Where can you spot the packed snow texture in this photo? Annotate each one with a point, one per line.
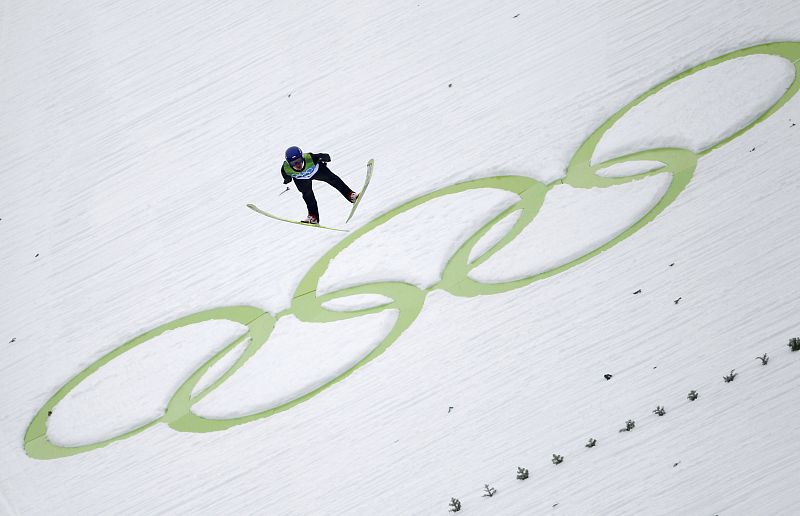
(122, 395)
(412, 246)
(298, 358)
(701, 110)
(571, 223)
(134, 134)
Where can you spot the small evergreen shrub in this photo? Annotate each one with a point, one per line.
(794, 344)
(629, 425)
(591, 443)
(488, 491)
(557, 459)
(522, 473)
(729, 378)
(659, 411)
(693, 395)
(455, 505)
(764, 359)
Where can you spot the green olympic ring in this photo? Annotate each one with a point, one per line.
(407, 299)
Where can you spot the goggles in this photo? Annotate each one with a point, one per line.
(297, 162)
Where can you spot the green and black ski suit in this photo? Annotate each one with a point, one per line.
(315, 167)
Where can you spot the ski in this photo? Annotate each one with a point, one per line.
(370, 165)
(270, 215)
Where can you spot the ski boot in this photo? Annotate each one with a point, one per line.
(311, 219)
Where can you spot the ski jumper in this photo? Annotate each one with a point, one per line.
(315, 167)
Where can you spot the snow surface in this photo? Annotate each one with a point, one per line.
(298, 358)
(724, 98)
(134, 133)
(571, 223)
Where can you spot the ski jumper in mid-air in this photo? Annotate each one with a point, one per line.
(303, 168)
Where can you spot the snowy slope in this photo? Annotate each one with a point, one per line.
(133, 135)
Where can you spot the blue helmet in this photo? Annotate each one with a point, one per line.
(293, 153)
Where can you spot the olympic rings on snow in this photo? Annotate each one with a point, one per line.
(407, 299)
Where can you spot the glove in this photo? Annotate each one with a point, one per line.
(287, 180)
(325, 158)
